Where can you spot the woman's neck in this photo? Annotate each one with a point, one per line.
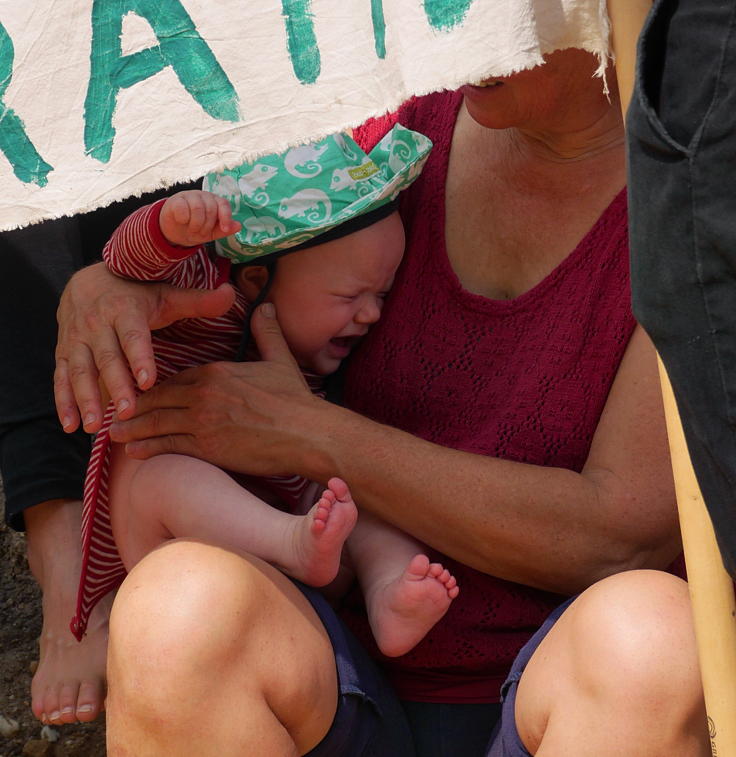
(571, 146)
(553, 159)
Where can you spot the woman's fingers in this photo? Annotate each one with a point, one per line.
(66, 404)
(239, 416)
(187, 414)
(133, 336)
(269, 338)
(174, 303)
(104, 333)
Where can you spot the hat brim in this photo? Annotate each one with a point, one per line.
(395, 162)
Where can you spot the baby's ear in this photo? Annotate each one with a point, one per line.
(250, 279)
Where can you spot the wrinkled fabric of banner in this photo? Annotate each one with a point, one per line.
(102, 99)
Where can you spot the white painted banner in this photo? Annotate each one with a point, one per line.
(102, 99)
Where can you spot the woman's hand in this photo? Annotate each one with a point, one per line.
(105, 327)
(249, 417)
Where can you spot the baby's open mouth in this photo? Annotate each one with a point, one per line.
(345, 342)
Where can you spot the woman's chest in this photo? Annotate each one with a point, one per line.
(502, 240)
(522, 381)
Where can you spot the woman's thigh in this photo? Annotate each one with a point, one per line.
(261, 651)
(617, 673)
(202, 635)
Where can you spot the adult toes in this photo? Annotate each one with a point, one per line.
(51, 706)
(68, 702)
(90, 701)
(37, 706)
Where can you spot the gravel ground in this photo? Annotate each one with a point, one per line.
(20, 625)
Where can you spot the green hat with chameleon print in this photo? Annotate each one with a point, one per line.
(315, 192)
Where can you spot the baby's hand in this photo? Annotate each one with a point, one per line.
(194, 217)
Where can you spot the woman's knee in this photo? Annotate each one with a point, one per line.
(200, 632)
(642, 621)
(637, 626)
(185, 601)
(625, 649)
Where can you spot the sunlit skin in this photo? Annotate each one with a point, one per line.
(328, 295)
(323, 317)
(519, 195)
(551, 104)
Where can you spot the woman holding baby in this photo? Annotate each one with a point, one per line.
(504, 411)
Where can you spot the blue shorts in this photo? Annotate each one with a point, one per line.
(505, 741)
(370, 721)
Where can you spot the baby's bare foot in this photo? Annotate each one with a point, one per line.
(402, 611)
(318, 537)
(69, 683)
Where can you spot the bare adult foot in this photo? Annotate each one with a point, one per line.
(402, 611)
(69, 683)
(315, 543)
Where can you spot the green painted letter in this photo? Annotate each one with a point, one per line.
(301, 41)
(27, 164)
(379, 27)
(180, 46)
(446, 14)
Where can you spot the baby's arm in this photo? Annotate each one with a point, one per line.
(152, 243)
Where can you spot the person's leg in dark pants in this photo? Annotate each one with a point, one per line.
(41, 466)
(682, 210)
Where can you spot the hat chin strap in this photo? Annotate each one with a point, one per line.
(240, 355)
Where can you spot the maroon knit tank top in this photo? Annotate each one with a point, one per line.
(523, 379)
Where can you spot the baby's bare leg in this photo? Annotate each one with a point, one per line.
(171, 496)
(405, 594)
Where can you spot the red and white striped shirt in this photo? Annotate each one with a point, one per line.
(138, 250)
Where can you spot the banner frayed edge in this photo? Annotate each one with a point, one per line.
(601, 50)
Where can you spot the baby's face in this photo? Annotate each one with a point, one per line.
(328, 296)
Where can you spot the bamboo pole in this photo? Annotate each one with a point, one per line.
(711, 588)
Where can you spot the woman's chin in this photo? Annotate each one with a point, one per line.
(486, 105)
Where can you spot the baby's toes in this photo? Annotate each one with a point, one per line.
(418, 567)
(339, 488)
(436, 570)
(444, 577)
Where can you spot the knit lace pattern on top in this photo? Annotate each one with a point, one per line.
(523, 379)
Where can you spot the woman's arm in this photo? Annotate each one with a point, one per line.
(545, 527)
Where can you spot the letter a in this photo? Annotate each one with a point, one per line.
(27, 164)
(180, 46)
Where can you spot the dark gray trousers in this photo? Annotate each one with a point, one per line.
(682, 204)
